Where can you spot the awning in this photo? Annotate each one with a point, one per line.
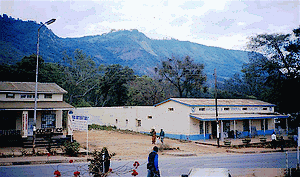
(237, 116)
(41, 105)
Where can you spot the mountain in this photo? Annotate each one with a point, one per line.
(125, 47)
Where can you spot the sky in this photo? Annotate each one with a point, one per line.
(221, 23)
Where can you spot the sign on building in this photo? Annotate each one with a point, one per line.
(25, 124)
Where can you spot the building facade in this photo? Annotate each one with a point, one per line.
(17, 108)
(192, 119)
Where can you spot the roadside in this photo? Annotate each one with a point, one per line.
(126, 145)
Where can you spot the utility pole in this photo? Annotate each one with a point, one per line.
(36, 83)
(216, 103)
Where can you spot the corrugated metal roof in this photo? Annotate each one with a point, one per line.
(221, 102)
(30, 87)
(236, 116)
(19, 105)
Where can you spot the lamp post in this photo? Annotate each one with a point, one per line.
(36, 80)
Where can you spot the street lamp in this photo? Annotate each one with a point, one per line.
(36, 80)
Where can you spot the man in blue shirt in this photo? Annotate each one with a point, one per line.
(152, 165)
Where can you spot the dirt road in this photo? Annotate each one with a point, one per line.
(130, 145)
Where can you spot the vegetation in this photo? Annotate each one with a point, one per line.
(273, 73)
(185, 75)
(101, 127)
(89, 85)
(71, 148)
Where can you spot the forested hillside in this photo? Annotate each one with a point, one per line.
(125, 47)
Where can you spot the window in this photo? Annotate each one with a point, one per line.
(138, 123)
(48, 96)
(149, 117)
(201, 109)
(28, 96)
(170, 109)
(244, 109)
(226, 109)
(265, 109)
(10, 95)
(48, 120)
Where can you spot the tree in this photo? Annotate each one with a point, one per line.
(185, 75)
(276, 72)
(81, 77)
(25, 70)
(145, 91)
(113, 85)
(280, 49)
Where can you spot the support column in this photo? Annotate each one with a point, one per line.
(264, 127)
(69, 125)
(204, 128)
(234, 129)
(287, 126)
(222, 136)
(58, 120)
(250, 128)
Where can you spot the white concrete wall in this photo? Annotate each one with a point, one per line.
(194, 126)
(176, 121)
(173, 122)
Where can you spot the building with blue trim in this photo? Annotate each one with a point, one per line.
(194, 119)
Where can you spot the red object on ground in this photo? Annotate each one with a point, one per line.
(71, 161)
(57, 173)
(76, 173)
(136, 164)
(134, 173)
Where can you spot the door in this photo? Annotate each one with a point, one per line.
(214, 129)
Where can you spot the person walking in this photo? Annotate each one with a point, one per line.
(282, 143)
(153, 136)
(106, 158)
(162, 135)
(273, 137)
(152, 166)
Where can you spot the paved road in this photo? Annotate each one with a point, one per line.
(169, 166)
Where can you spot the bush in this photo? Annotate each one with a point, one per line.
(71, 148)
(101, 127)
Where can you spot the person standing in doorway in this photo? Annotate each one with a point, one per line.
(152, 165)
(162, 135)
